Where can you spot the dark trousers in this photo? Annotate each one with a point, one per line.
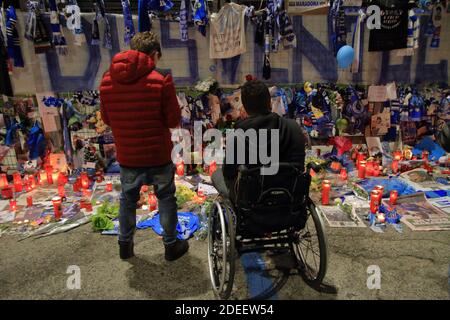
(162, 179)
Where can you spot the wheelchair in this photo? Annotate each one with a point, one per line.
(269, 212)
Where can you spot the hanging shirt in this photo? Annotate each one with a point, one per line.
(227, 32)
(394, 26)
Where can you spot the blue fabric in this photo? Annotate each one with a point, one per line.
(13, 40)
(187, 224)
(36, 142)
(389, 184)
(431, 146)
(128, 21)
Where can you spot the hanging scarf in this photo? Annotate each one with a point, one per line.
(357, 42)
(2, 22)
(266, 63)
(12, 37)
(183, 21)
(128, 21)
(437, 17)
(35, 29)
(59, 41)
(287, 34)
(338, 31)
(73, 23)
(5, 81)
(201, 16)
(100, 13)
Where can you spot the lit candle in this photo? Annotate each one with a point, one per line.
(7, 192)
(17, 182)
(55, 175)
(49, 172)
(212, 167)
(61, 191)
(180, 168)
(361, 157)
(326, 187)
(109, 186)
(29, 201)
(393, 197)
(3, 180)
(394, 166)
(370, 168)
(12, 205)
(375, 198)
(343, 174)
(381, 189)
(398, 155)
(425, 154)
(62, 179)
(76, 185)
(362, 170)
(84, 180)
(152, 201)
(381, 218)
(57, 207)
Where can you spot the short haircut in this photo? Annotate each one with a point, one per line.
(255, 97)
(146, 42)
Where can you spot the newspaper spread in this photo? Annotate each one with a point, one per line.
(337, 218)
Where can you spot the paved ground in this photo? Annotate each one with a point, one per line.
(414, 265)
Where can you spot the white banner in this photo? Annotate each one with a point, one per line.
(300, 7)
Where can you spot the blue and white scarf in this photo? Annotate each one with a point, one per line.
(355, 67)
(184, 36)
(59, 41)
(128, 22)
(100, 13)
(35, 28)
(338, 31)
(12, 37)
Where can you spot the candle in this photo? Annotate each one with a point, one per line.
(49, 178)
(326, 187)
(180, 168)
(61, 191)
(17, 179)
(361, 157)
(109, 186)
(152, 201)
(29, 201)
(425, 154)
(381, 218)
(76, 185)
(7, 192)
(12, 205)
(381, 189)
(375, 198)
(212, 167)
(394, 166)
(84, 180)
(62, 179)
(397, 155)
(57, 207)
(362, 170)
(393, 197)
(370, 168)
(3, 180)
(377, 170)
(343, 174)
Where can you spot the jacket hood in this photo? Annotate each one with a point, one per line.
(129, 66)
(267, 121)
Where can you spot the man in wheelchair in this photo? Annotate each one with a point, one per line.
(241, 181)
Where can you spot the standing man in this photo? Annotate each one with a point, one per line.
(139, 103)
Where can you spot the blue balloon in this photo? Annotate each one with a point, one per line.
(345, 56)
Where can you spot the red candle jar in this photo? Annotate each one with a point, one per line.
(76, 185)
(12, 205)
(376, 170)
(84, 180)
(3, 180)
(393, 197)
(29, 201)
(109, 186)
(326, 188)
(381, 189)
(180, 168)
(362, 170)
(394, 166)
(425, 155)
(397, 155)
(62, 179)
(212, 167)
(61, 191)
(7, 192)
(343, 174)
(361, 157)
(49, 171)
(370, 168)
(375, 198)
(32, 181)
(152, 201)
(57, 207)
(17, 179)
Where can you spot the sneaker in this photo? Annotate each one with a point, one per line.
(126, 249)
(176, 250)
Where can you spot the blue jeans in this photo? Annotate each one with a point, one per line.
(162, 179)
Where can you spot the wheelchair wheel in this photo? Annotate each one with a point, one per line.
(221, 255)
(310, 248)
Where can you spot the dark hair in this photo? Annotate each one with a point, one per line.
(146, 42)
(255, 97)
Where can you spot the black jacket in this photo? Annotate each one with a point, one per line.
(291, 142)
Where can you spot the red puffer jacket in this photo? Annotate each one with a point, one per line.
(139, 103)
